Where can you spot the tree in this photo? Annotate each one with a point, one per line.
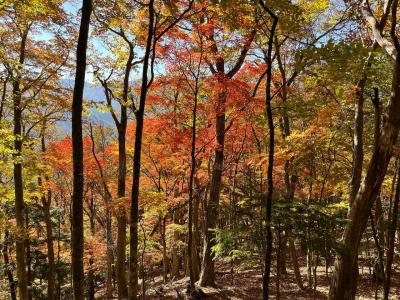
(268, 202)
(154, 34)
(217, 68)
(77, 152)
(376, 170)
(118, 14)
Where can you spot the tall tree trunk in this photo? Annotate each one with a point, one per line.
(50, 248)
(293, 254)
(358, 149)
(3, 97)
(196, 239)
(392, 236)
(207, 275)
(7, 267)
(28, 254)
(175, 258)
(110, 255)
(164, 249)
(18, 179)
(77, 153)
(191, 241)
(290, 181)
(134, 211)
(46, 204)
(363, 202)
(90, 278)
(121, 212)
(270, 120)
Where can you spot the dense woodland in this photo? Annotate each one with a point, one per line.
(199, 149)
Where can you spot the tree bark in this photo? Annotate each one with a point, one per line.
(46, 204)
(207, 274)
(90, 278)
(392, 237)
(191, 241)
(77, 153)
(18, 177)
(7, 267)
(134, 211)
(271, 146)
(3, 97)
(297, 274)
(363, 202)
(358, 149)
(50, 248)
(175, 258)
(121, 212)
(164, 250)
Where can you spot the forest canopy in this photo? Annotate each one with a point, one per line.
(199, 149)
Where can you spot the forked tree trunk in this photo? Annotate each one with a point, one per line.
(121, 212)
(342, 279)
(207, 274)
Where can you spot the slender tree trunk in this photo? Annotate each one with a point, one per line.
(293, 254)
(271, 146)
(108, 221)
(164, 251)
(121, 212)
(268, 208)
(110, 256)
(58, 257)
(342, 279)
(90, 278)
(191, 243)
(290, 181)
(392, 236)
(7, 267)
(175, 255)
(358, 148)
(50, 249)
(3, 98)
(77, 153)
(46, 204)
(28, 254)
(196, 239)
(134, 212)
(207, 275)
(18, 179)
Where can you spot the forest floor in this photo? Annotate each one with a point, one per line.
(245, 284)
